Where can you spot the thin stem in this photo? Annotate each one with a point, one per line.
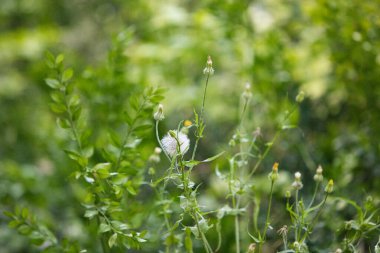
(314, 195)
(297, 222)
(159, 142)
(268, 212)
(315, 218)
(272, 142)
(131, 128)
(262, 157)
(200, 123)
(235, 205)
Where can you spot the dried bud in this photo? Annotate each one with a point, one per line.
(330, 186)
(159, 114)
(252, 248)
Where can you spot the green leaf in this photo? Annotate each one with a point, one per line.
(59, 59)
(112, 240)
(131, 190)
(213, 157)
(74, 155)
(104, 228)
(90, 213)
(53, 83)
(58, 108)
(8, 214)
(74, 100)
(24, 229)
(63, 123)
(67, 75)
(194, 163)
(24, 213)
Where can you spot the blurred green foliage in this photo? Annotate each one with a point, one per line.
(329, 49)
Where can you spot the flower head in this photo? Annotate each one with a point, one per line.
(297, 184)
(172, 139)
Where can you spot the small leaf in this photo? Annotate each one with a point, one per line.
(8, 214)
(213, 157)
(53, 83)
(112, 240)
(63, 123)
(59, 59)
(73, 154)
(131, 190)
(90, 213)
(89, 179)
(74, 100)
(24, 213)
(104, 228)
(67, 75)
(24, 229)
(57, 108)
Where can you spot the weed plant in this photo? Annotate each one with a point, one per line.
(134, 202)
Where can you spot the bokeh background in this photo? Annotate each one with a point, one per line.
(328, 49)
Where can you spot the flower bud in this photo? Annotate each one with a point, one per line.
(159, 114)
(208, 69)
(300, 97)
(330, 186)
(288, 194)
(157, 150)
(318, 177)
(247, 92)
(338, 250)
(273, 176)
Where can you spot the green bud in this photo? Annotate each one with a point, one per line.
(330, 186)
(300, 97)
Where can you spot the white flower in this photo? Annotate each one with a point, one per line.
(169, 143)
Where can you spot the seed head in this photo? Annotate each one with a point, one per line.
(172, 139)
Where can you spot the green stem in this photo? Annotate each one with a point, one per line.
(314, 195)
(297, 222)
(268, 212)
(235, 205)
(200, 123)
(315, 218)
(159, 142)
